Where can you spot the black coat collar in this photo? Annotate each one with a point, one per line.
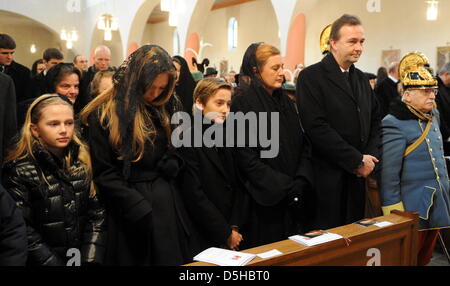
(401, 112)
(210, 152)
(213, 156)
(48, 161)
(335, 74)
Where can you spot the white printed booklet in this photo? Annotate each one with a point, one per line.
(315, 237)
(224, 257)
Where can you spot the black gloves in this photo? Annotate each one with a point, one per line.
(170, 164)
(296, 194)
(297, 203)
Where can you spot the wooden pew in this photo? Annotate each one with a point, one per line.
(394, 245)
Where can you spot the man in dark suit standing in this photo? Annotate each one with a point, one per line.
(19, 73)
(340, 115)
(51, 57)
(8, 120)
(386, 91)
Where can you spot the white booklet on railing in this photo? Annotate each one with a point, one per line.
(224, 257)
(315, 237)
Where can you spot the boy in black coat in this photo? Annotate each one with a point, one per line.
(212, 190)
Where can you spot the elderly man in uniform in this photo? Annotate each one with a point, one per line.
(340, 116)
(413, 172)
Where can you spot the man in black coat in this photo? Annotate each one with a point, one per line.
(386, 91)
(13, 238)
(443, 104)
(340, 114)
(8, 120)
(19, 73)
(51, 57)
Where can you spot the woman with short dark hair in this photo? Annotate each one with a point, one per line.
(64, 79)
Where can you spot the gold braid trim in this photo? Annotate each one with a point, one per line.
(419, 114)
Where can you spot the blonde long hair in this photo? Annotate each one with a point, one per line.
(130, 83)
(24, 147)
(142, 125)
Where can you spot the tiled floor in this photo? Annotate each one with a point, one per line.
(439, 258)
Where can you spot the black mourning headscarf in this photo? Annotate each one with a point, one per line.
(247, 73)
(186, 85)
(131, 81)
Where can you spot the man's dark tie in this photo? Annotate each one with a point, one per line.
(347, 75)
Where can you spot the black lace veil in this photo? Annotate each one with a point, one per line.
(131, 81)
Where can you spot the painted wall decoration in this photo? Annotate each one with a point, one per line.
(389, 56)
(223, 70)
(443, 57)
(373, 6)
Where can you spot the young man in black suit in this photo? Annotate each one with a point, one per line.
(19, 73)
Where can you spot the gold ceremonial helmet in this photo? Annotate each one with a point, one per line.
(325, 40)
(415, 72)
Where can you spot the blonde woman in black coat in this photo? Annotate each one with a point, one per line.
(129, 130)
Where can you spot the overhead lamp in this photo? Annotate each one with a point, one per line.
(432, 10)
(166, 5)
(63, 35)
(173, 19)
(69, 37)
(108, 23)
(176, 8)
(108, 35)
(33, 49)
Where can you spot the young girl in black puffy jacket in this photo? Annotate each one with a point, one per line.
(48, 173)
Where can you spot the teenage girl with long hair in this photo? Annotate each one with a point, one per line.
(48, 172)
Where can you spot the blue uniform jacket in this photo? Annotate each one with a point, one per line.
(418, 182)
